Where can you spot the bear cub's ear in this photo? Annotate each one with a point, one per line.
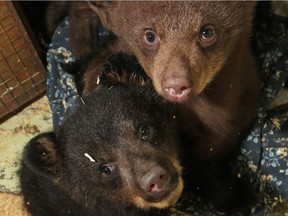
(41, 154)
(123, 69)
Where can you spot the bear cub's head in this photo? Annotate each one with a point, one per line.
(182, 45)
(118, 146)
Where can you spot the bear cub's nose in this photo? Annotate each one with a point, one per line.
(177, 89)
(155, 182)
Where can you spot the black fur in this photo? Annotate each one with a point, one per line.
(126, 129)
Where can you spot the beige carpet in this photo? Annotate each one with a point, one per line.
(14, 134)
(12, 205)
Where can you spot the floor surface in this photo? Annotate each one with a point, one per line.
(14, 134)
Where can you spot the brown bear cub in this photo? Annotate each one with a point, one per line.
(116, 154)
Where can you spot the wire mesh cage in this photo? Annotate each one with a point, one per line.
(22, 74)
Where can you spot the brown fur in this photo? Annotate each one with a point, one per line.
(84, 33)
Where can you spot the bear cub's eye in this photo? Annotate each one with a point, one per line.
(150, 37)
(207, 34)
(146, 132)
(106, 169)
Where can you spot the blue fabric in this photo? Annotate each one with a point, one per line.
(61, 89)
(265, 149)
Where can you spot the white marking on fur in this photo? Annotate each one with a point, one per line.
(89, 157)
(98, 80)
(82, 100)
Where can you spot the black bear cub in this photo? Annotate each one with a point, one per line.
(116, 154)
